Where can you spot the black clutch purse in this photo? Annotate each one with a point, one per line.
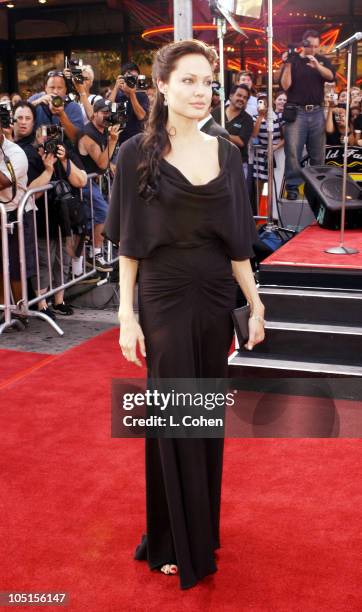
(240, 318)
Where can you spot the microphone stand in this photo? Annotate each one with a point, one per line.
(270, 118)
(270, 225)
(342, 249)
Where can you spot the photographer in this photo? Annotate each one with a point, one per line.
(96, 148)
(53, 106)
(83, 85)
(48, 160)
(125, 90)
(13, 182)
(24, 124)
(302, 77)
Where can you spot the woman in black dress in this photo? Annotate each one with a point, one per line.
(182, 217)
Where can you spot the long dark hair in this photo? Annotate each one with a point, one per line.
(156, 142)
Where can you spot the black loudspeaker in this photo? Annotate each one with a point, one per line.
(323, 190)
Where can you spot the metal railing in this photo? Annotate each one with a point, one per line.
(25, 306)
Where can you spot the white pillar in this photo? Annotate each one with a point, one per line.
(182, 16)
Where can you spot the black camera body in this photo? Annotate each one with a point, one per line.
(76, 68)
(292, 50)
(5, 115)
(117, 115)
(54, 137)
(132, 81)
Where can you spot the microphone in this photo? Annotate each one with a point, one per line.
(349, 41)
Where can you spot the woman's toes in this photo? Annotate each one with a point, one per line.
(169, 568)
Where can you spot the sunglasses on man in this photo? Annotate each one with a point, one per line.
(55, 73)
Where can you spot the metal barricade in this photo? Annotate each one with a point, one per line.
(6, 307)
(105, 179)
(24, 306)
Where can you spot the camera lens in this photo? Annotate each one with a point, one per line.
(57, 101)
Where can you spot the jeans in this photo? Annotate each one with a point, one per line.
(308, 129)
(100, 206)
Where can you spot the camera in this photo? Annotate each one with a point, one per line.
(292, 50)
(133, 81)
(261, 104)
(54, 137)
(332, 97)
(76, 68)
(117, 115)
(57, 101)
(5, 115)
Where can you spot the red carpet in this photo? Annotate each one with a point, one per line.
(19, 363)
(307, 249)
(73, 506)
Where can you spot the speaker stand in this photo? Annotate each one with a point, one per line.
(342, 249)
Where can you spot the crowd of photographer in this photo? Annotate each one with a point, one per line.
(59, 136)
(67, 131)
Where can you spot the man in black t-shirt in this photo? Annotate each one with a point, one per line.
(238, 122)
(96, 147)
(302, 77)
(137, 101)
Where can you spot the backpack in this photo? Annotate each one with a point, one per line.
(72, 213)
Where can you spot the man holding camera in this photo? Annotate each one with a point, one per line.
(302, 77)
(82, 84)
(125, 90)
(52, 106)
(96, 148)
(48, 161)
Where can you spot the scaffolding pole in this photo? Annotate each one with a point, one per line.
(182, 17)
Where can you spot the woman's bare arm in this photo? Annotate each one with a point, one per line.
(130, 332)
(245, 278)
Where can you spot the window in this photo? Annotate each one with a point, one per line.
(33, 67)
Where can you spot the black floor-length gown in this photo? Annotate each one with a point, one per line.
(184, 240)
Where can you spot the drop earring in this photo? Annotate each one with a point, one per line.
(165, 102)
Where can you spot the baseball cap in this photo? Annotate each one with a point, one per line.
(101, 105)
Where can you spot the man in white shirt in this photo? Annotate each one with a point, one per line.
(10, 150)
(86, 99)
(11, 193)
